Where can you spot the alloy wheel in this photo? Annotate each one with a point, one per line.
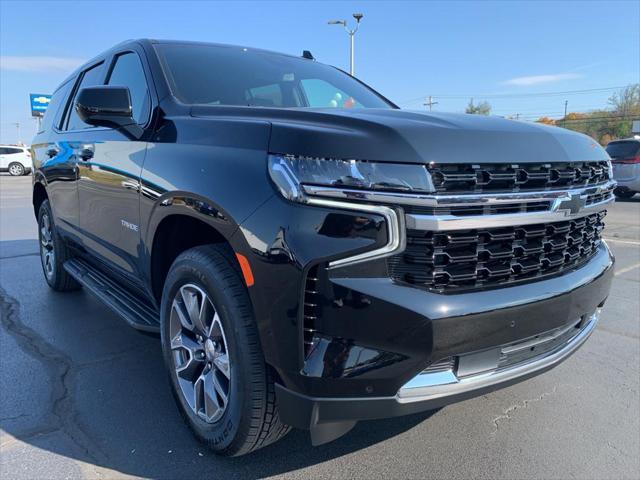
(199, 353)
(47, 252)
(16, 169)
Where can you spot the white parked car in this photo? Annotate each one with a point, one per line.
(15, 160)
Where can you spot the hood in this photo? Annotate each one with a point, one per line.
(416, 137)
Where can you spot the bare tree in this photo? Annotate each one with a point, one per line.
(627, 100)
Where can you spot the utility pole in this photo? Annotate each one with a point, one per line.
(564, 120)
(430, 103)
(352, 35)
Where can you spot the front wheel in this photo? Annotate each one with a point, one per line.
(16, 169)
(217, 371)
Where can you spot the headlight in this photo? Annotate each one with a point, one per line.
(291, 173)
(610, 169)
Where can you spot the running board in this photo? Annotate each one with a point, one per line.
(135, 311)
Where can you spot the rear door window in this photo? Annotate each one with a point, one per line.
(265, 96)
(323, 94)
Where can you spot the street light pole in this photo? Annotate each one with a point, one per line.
(352, 67)
(352, 35)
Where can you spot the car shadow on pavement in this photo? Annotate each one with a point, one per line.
(81, 384)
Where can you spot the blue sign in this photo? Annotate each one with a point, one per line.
(39, 104)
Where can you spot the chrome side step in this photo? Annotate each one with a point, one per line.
(137, 312)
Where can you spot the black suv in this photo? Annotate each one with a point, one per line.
(311, 254)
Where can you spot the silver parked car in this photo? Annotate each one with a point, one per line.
(625, 157)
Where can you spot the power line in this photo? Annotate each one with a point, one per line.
(595, 119)
(516, 95)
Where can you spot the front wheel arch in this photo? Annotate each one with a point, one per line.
(175, 234)
(39, 196)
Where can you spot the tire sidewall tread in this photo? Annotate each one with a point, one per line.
(251, 415)
(61, 280)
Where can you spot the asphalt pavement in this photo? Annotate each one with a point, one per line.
(82, 395)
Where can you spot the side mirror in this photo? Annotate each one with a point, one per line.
(107, 106)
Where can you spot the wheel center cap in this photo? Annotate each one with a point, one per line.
(209, 349)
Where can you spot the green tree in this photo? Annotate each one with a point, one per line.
(483, 108)
(611, 124)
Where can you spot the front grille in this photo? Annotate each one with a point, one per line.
(447, 261)
(483, 178)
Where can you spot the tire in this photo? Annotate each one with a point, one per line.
(624, 194)
(220, 381)
(53, 252)
(16, 169)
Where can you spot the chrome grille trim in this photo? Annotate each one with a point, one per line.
(455, 222)
(436, 200)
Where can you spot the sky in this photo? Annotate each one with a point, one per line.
(524, 58)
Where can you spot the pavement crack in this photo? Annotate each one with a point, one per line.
(61, 372)
(509, 412)
(615, 449)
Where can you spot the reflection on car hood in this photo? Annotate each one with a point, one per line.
(411, 136)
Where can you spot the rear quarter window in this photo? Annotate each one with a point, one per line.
(12, 151)
(52, 113)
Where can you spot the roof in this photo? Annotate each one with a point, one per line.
(170, 42)
(214, 44)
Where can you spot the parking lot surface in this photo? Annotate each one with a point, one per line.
(82, 395)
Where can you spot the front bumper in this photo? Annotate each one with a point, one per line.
(496, 322)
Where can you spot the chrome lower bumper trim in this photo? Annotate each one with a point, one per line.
(431, 386)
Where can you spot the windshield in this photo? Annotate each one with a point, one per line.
(623, 149)
(226, 75)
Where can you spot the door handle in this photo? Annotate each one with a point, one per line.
(52, 152)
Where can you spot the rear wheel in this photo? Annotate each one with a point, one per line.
(217, 371)
(16, 169)
(624, 194)
(53, 252)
